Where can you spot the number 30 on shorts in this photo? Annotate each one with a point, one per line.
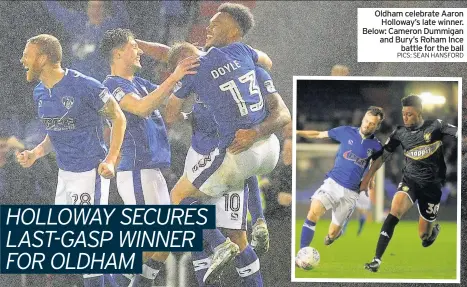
(432, 208)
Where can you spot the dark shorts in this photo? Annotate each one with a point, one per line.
(427, 196)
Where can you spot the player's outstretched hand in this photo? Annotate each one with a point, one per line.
(106, 170)
(186, 67)
(26, 158)
(243, 140)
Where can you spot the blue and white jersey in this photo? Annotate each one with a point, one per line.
(205, 138)
(226, 84)
(145, 144)
(353, 156)
(69, 111)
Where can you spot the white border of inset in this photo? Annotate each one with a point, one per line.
(459, 177)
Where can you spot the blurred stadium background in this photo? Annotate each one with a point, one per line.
(302, 38)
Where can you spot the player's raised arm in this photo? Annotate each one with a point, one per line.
(28, 157)
(143, 107)
(313, 134)
(112, 111)
(264, 60)
(156, 51)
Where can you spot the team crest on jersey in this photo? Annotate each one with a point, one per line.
(68, 102)
(405, 188)
(178, 86)
(427, 137)
(350, 142)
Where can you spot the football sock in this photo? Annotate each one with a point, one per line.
(386, 234)
(308, 231)
(212, 236)
(93, 280)
(247, 265)
(122, 279)
(201, 263)
(361, 222)
(254, 199)
(150, 270)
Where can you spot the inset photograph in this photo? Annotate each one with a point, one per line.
(376, 191)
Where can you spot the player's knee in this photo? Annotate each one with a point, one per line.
(238, 237)
(313, 215)
(397, 212)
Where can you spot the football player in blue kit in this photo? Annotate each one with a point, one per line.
(226, 84)
(340, 189)
(71, 106)
(232, 207)
(145, 148)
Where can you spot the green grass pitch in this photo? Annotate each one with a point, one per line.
(405, 258)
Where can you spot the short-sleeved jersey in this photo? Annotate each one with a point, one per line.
(69, 111)
(205, 138)
(353, 156)
(422, 146)
(145, 144)
(226, 84)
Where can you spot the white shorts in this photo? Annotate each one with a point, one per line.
(143, 186)
(363, 201)
(82, 188)
(342, 200)
(231, 209)
(221, 172)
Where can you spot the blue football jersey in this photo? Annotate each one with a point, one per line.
(226, 84)
(145, 144)
(69, 111)
(205, 137)
(353, 156)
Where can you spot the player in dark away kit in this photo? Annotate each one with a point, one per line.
(424, 174)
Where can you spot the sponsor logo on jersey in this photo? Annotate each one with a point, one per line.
(349, 155)
(67, 102)
(118, 94)
(269, 86)
(350, 142)
(59, 124)
(424, 151)
(178, 86)
(427, 137)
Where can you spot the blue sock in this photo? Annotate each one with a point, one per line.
(120, 280)
(308, 231)
(254, 199)
(247, 265)
(212, 236)
(141, 281)
(361, 222)
(96, 281)
(201, 263)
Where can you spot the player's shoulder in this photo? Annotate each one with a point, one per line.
(81, 79)
(398, 130)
